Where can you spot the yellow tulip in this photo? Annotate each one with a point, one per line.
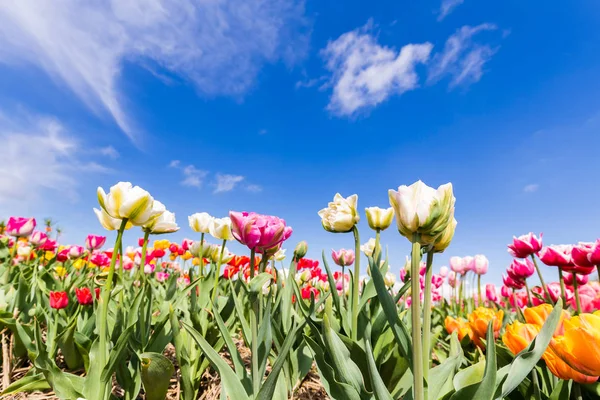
(196, 261)
(78, 264)
(518, 336)
(579, 346)
(480, 319)
(539, 314)
(162, 244)
(61, 271)
(187, 255)
(49, 255)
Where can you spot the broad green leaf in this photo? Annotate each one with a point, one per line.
(258, 282)
(526, 360)
(379, 389)
(239, 309)
(231, 383)
(28, 383)
(441, 377)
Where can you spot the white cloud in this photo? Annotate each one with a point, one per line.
(39, 156)
(226, 183)
(447, 7)
(218, 46)
(254, 188)
(462, 59)
(192, 176)
(365, 73)
(531, 188)
(109, 152)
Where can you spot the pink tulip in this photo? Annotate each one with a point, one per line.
(452, 279)
(20, 227)
(588, 298)
(444, 271)
(403, 275)
(259, 232)
(594, 255)
(518, 299)
(99, 259)
(581, 279)
(38, 238)
(469, 264)
(480, 264)
(556, 255)
(94, 242)
(186, 244)
(525, 245)
(505, 291)
(343, 257)
(490, 292)
(512, 283)
(520, 269)
(457, 265)
(437, 281)
(127, 263)
(537, 295)
(162, 276)
(149, 268)
(49, 245)
(76, 252)
(554, 290)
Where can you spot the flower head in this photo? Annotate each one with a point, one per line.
(127, 201)
(525, 245)
(340, 215)
(379, 218)
(260, 232)
(20, 227)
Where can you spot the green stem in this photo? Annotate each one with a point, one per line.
(479, 302)
(344, 300)
(105, 299)
(201, 255)
(254, 334)
(377, 251)
(9, 264)
(576, 290)
(415, 309)
(577, 391)
(562, 286)
(217, 273)
(144, 251)
(122, 294)
(356, 280)
(539, 272)
(529, 300)
(536, 384)
(427, 317)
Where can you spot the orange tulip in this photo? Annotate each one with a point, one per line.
(580, 345)
(539, 314)
(518, 336)
(459, 325)
(480, 319)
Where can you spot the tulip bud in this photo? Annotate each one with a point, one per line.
(343, 257)
(340, 215)
(423, 211)
(280, 255)
(369, 247)
(379, 218)
(300, 250)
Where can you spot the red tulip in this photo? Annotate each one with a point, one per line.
(49, 245)
(173, 248)
(525, 245)
(63, 255)
(158, 253)
(59, 300)
(84, 296)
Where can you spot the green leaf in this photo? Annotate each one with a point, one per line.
(379, 389)
(116, 355)
(336, 298)
(183, 359)
(258, 282)
(400, 331)
(239, 309)
(469, 376)
(526, 360)
(268, 387)
(441, 377)
(156, 375)
(230, 381)
(28, 383)
(265, 339)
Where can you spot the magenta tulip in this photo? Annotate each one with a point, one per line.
(513, 283)
(38, 238)
(556, 255)
(76, 252)
(259, 232)
(94, 242)
(20, 227)
(490, 292)
(343, 257)
(594, 254)
(525, 245)
(506, 291)
(520, 269)
(581, 279)
(580, 254)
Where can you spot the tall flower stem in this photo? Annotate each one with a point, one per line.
(143, 260)
(562, 285)
(427, 316)
(122, 293)
(254, 333)
(576, 290)
(415, 309)
(217, 273)
(478, 289)
(529, 300)
(105, 299)
(201, 270)
(344, 299)
(355, 283)
(539, 272)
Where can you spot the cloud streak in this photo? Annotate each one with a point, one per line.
(447, 7)
(219, 47)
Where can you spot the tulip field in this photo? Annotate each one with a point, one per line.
(158, 319)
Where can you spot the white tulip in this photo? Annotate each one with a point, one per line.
(215, 253)
(379, 218)
(340, 214)
(127, 201)
(422, 210)
(164, 223)
(109, 223)
(369, 247)
(220, 228)
(280, 255)
(200, 249)
(200, 222)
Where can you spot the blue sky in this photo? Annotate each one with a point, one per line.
(275, 105)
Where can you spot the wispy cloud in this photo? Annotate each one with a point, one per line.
(38, 155)
(226, 182)
(447, 7)
(254, 188)
(531, 188)
(462, 59)
(192, 176)
(109, 152)
(217, 46)
(365, 73)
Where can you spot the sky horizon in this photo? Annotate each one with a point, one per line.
(275, 106)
